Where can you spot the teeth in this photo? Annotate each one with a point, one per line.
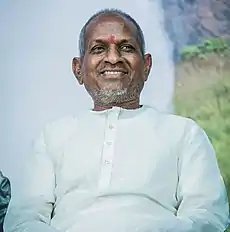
(112, 72)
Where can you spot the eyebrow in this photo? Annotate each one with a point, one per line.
(103, 41)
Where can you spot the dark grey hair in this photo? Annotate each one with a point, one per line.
(139, 36)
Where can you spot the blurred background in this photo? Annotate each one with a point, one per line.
(202, 72)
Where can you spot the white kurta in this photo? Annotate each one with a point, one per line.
(121, 171)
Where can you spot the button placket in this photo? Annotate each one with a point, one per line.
(108, 150)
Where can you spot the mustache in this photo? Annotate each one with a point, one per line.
(114, 68)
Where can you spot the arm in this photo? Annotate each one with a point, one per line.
(201, 191)
(31, 207)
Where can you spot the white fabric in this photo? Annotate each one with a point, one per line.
(121, 170)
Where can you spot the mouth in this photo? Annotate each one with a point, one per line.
(113, 73)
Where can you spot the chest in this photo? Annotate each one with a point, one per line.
(118, 155)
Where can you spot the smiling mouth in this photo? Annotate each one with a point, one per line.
(113, 73)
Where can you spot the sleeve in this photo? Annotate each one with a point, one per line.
(203, 203)
(5, 192)
(30, 209)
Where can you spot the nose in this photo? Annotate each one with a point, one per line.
(113, 56)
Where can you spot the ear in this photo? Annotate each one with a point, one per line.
(76, 68)
(147, 65)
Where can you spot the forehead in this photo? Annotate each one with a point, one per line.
(106, 25)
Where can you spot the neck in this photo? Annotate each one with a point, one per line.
(126, 105)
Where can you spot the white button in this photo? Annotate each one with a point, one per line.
(111, 126)
(107, 162)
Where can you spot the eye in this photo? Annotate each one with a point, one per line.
(97, 49)
(127, 48)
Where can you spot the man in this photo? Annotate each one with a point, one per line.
(122, 166)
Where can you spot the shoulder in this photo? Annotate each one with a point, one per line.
(58, 132)
(175, 125)
(61, 126)
(170, 120)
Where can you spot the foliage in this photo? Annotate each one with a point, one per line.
(216, 45)
(190, 52)
(213, 45)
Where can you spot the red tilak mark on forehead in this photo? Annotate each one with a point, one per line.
(112, 39)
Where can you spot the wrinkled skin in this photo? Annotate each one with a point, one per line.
(113, 69)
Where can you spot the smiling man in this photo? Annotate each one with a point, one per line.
(121, 166)
(112, 66)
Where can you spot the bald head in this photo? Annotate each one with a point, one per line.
(110, 14)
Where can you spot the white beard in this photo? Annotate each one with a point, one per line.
(111, 96)
(117, 96)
